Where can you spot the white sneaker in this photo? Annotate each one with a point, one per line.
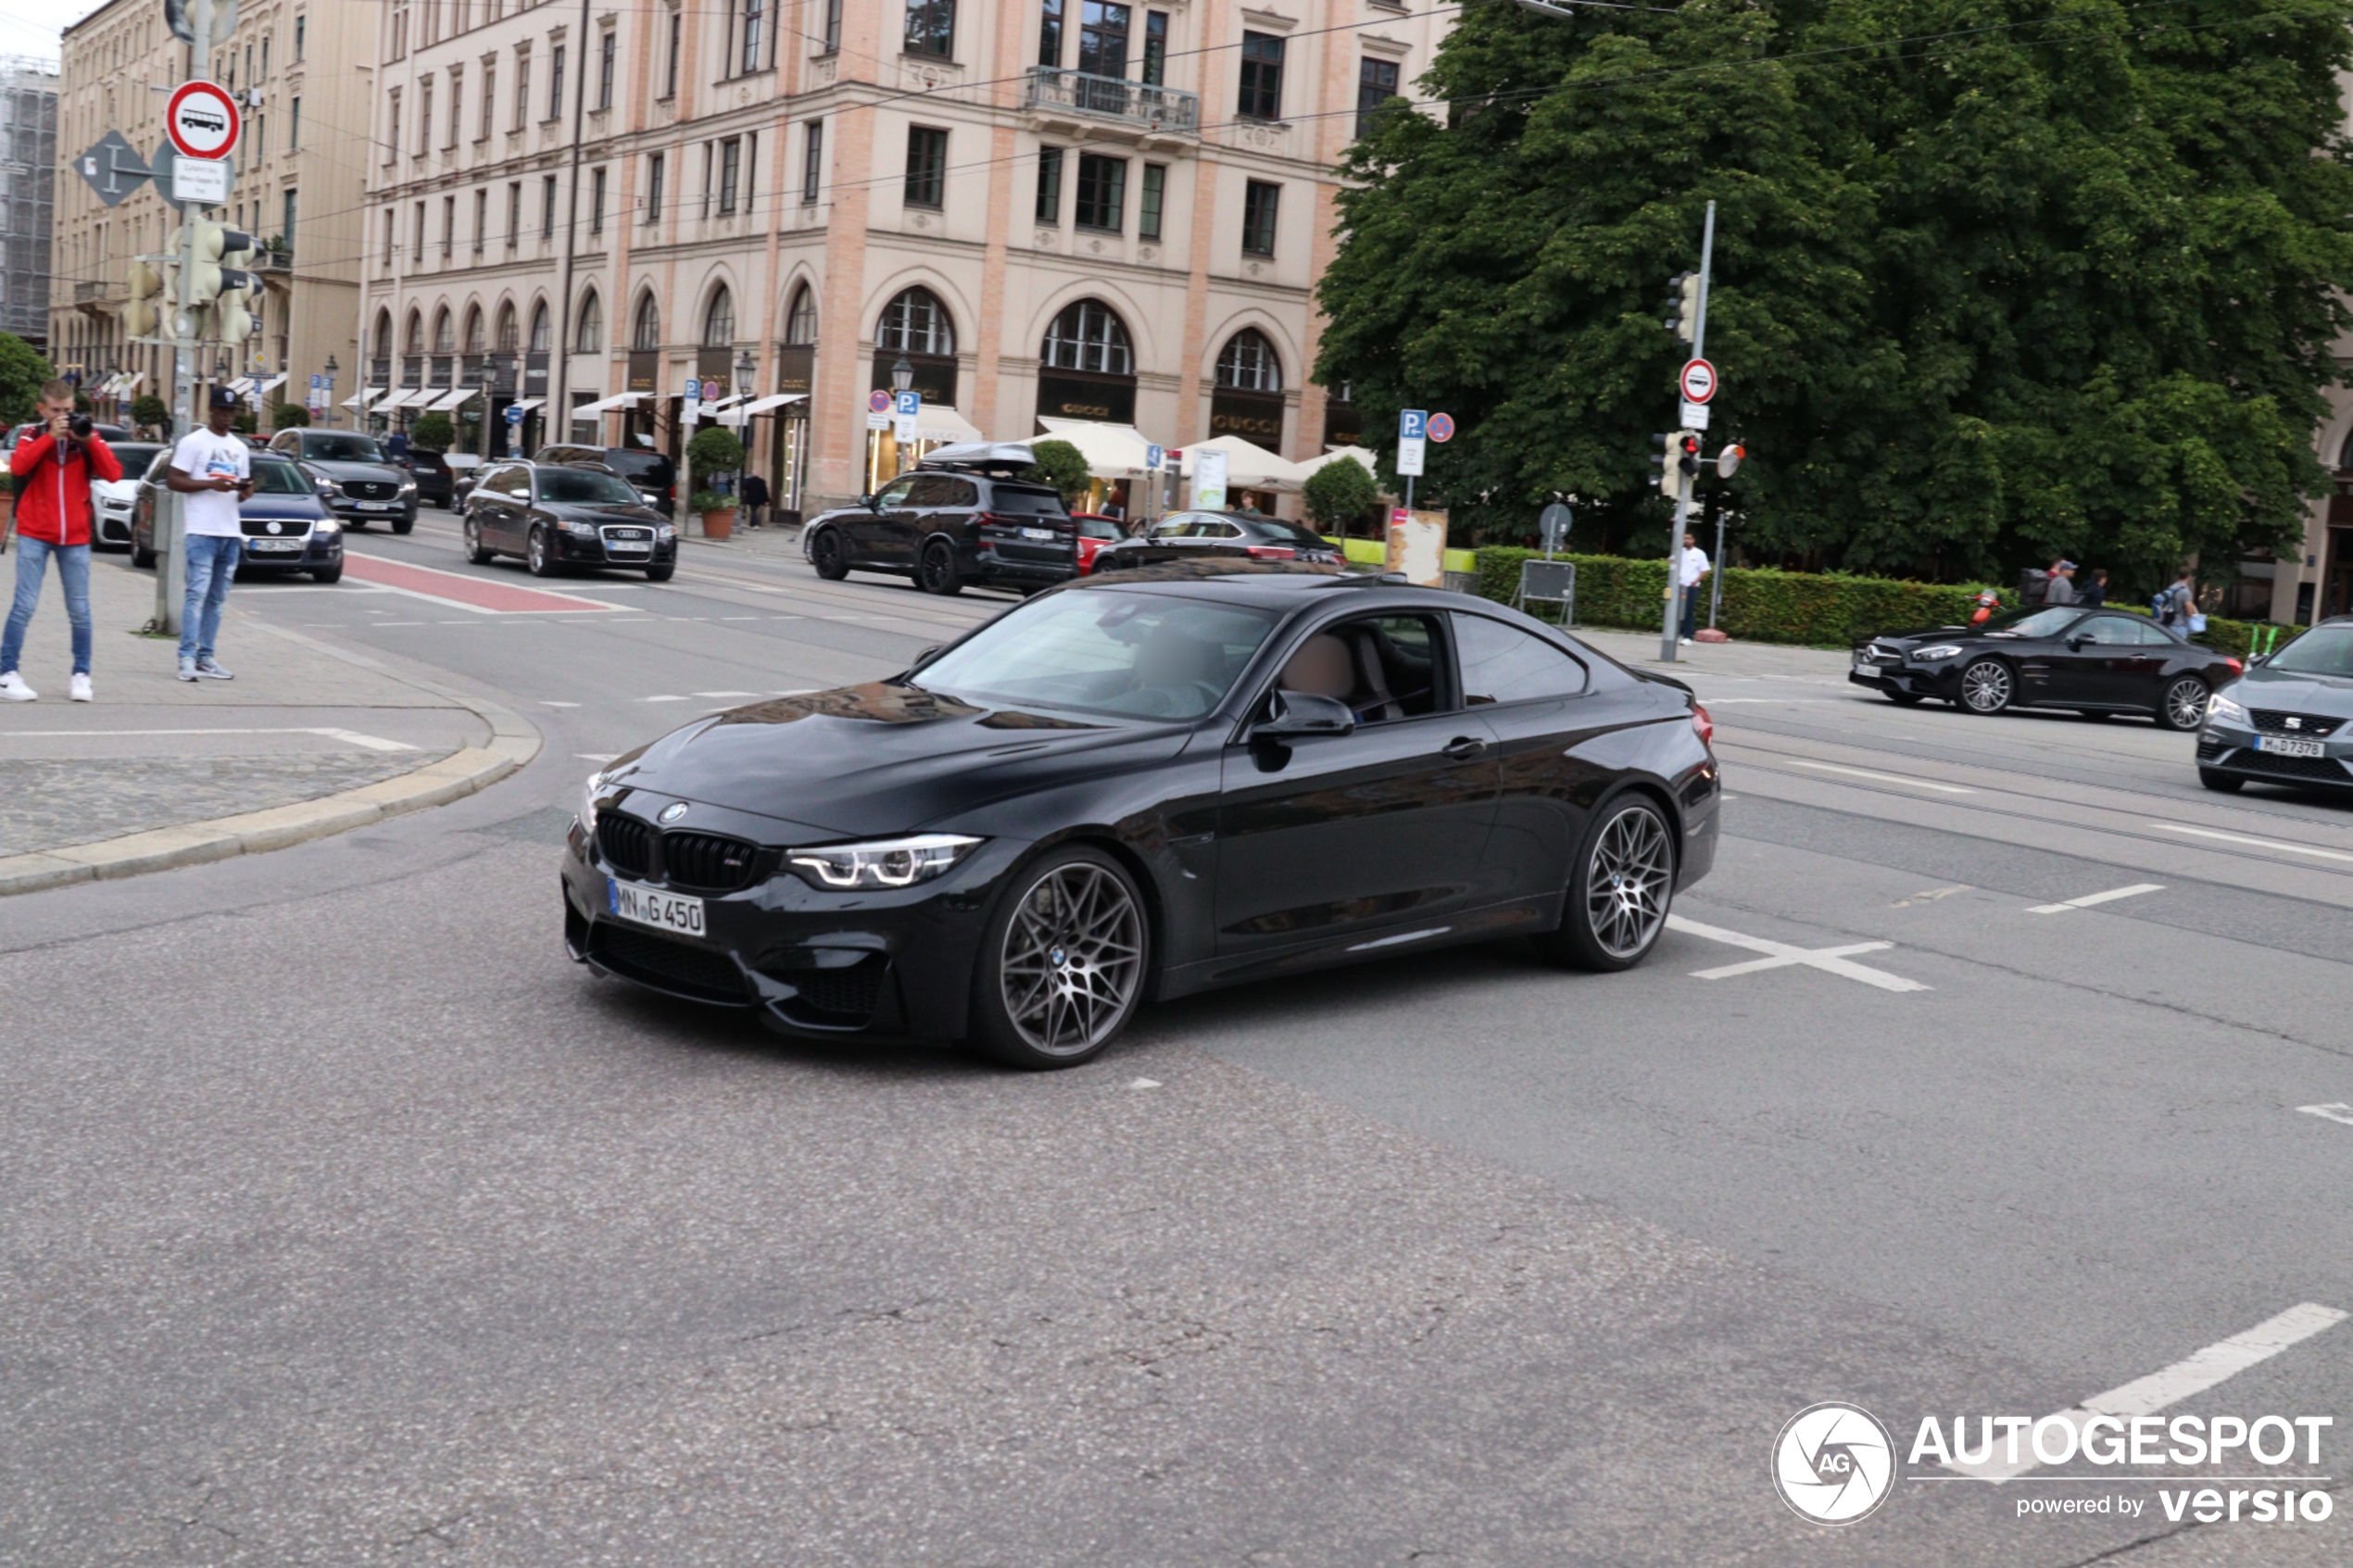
(211, 671)
(79, 690)
(188, 669)
(1687, 642)
(13, 688)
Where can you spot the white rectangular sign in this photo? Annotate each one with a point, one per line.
(1694, 416)
(1409, 456)
(204, 181)
(1209, 478)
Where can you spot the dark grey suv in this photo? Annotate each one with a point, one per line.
(352, 475)
(961, 518)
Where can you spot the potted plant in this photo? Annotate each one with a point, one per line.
(715, 450)
(717, 511)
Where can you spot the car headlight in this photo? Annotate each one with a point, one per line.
(885, 862)
(1929, 656)
(408, 487)
(326, 525)
(327, 486)
(584, 529)
(2218, 706)
(665, 533)
(588, 802)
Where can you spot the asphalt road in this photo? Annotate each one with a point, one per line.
(347, 1223)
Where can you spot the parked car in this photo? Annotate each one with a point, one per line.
(558, 515)
(464, 468)
(653, 474)
(114, 501)
(2288, 719)
(1225, 772)
(1198, 535)
(287, 526)
(2098, 662)
(1095, 530)
(357, 481)
(961, 518)
(436, 482)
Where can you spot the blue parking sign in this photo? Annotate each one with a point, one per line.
(1413, 424)
(1155, 457)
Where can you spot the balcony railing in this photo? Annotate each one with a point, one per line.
(1107, 97)
(90, 288)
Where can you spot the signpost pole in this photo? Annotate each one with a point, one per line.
(171, 552)
(1667, 653)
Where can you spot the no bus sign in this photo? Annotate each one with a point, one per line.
(201, 120)
(1698, 382)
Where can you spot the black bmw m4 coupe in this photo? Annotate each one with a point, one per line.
(1134, 787)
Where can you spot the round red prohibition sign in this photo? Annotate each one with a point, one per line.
(1698, 382)
(878, 402)
(201, 120)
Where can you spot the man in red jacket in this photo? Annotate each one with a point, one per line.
(53, 469)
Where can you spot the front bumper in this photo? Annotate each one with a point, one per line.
(2230, 748)
(574, 550)
(347, 509)
(815, 965)
(113, 525)
(1910, 680)
(319, 551)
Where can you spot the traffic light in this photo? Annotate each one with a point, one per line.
(233, 318)
(218, 249)
(142, 314)
(1680, 309)
(1677, 460)
(1687, 456)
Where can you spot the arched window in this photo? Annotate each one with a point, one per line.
(800, 321)
(1249, 364)
(539, 328)
(416, 334)
(383, 334)
(1086, 336)
(719, 321)
(916, 323)
(445, 336)
(646, 331)
(508, 340)
(473, 329)
(590, 339)
(2344, 458)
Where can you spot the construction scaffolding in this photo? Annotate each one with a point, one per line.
(28, 193)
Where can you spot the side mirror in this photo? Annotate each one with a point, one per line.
(1299, 714)
(2075, 644)
(924, 657)
(869, 503)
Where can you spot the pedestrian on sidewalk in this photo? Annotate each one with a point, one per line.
(2178, 603)
(755, 499)
(2060, 589)
(211, 467)
(2094, 594)
(53, 466)
(1691, 569)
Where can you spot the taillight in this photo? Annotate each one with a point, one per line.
(2237, 668)
(1702, 726)
(1272, 552)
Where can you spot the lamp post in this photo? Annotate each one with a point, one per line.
(329, 402)
(902, 376)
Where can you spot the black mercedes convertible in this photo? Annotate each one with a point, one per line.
(2095, 661)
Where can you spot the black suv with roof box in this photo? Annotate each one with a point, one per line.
(961, 518)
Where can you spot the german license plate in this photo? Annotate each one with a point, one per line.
(1038, 533)
(280, 544)
(665, 912)
(379, 506)
(2280, 746)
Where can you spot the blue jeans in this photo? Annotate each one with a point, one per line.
(1693, 593)
(74, 575)
(212, 561)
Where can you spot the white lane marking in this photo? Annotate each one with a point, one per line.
(664, 698)
(1930, 897)
(596, 756)
(1882, 778)
(2335, 1110)
(1831, 961)
(1393, 941)
(1727, 701)
(2089, 900)
(2258, 842)
(739, 618)
(349, 738)
(798, 691)
(2193, 1373)
(1145, 1084)
(727, 694)
(545, 702)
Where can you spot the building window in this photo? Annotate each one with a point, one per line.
(547, 206)
(508, 340)
(1103, 39)
(800, 323)
(1262, 87)
(931, 27)
(670, 71)
(590, 338)
(1155, 48)
(926, 166)
(1259, 201)
(1050, 34)
(813, 160)
(1102, 191)
(489, 101)
(445, 336)
(731, 160)
(1248, 363)
(523, 89)
(833, 26)
(655, 163)
(415, 340)
(473, 329)
(481, 219)
(1376, 84)
(293, 127)
(645, 333)
(302, 25)
(1049, 184)
(456, 108)
(754, 24)
(608, 44)
(719, 321)
(597, 201)
(392, 124)
(916, 322)
(1086, 336)
(448, 226)
(539, 328)
(556, 82)
(515, 214)
(287, 219)
(425, 116)
(1151, 200)
(388, 241)
(417, 235)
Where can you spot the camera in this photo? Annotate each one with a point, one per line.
(80, 427)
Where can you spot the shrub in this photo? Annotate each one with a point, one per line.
(1828, 610)
(1339, 494)
(150, 410)
(1061, 465)
(715, 451)
(289, 416)
(433, 432)
(710, 501)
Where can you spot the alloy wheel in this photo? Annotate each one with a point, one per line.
(1629, 881)
(2185, 703)
(1986, 686)
(1073, 960)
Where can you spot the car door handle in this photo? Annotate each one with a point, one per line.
(1462, 748)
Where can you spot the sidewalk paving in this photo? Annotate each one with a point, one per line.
(158, 771)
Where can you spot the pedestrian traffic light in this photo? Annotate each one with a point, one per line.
(1681, 307)
(1669, 477)
(1687, 456)
(232, 320)
(218, 250)
(141, 313)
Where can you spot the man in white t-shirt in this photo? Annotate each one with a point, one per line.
(211, 470)
(1691, 570)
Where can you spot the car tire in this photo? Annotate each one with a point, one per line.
(1903, 699)
(538, 554)
(1064, 959)
(327, 574)
(2215, 779)
(476, 554)
(937, 573)
(1619, 889)
(662, 574)
(1987, 686)
(826, 555)
(402, 525)
(2183, 705)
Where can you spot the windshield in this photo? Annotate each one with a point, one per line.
(2031, 622)
(2324, 650)
(135, 457)
(639, 465)
(1290, 533)
(1140, 655)
(278, 479)
(341, 448)
(586, 487)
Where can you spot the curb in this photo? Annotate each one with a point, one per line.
(513, 743)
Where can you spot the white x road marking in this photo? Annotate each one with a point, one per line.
(2089, 900)
(1780, 955)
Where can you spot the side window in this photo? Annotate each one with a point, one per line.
(932, 490)
(154, 470)
(1217, 530)
(895, 493)
(1174, 528)
(1504, 664)
(2112, 630)
(2146, 633)
(516, 481)
(962, 493)
(1382, 666)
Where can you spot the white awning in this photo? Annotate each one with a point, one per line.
(241, 386)
(526, 404)
(454, 399)
(364, 397)
(761, 406)
(1340, 455)
(130, 388)
(271, 385)
(717, 405)
(109, 388)
(620, 400)
(402, 398)
(1251, 467)
(940, 422)
(1112, 451)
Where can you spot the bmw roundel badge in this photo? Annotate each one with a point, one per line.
(672, 811)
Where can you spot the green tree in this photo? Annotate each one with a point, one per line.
(1993, 281)
(715, 450)
(22, 370)
(433, 432)
(1339, 494)
(289, 416)
(1061, 465)
(150, 412)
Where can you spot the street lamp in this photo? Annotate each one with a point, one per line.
(328, 405)
(902, 375)
(745, 370)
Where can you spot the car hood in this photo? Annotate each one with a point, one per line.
(123, 489)
(575, 511)
(1935, 634)
(342, 473)
(303, 506)
(2292, 693)
(884, 758)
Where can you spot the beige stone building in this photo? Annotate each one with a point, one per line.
(1063, 209)
(301, 68)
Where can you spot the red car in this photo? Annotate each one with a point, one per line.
(1095, 530)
